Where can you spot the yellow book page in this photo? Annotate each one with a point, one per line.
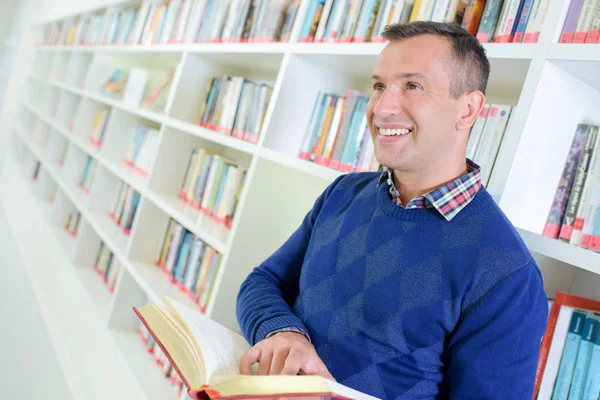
(415, 11)
(221, 348)
(251, 385)
(179, 350)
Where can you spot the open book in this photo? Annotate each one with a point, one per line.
(207, 356)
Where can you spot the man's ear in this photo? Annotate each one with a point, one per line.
(470, 107)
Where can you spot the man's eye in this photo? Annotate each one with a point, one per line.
(378, 86)
(413, 86)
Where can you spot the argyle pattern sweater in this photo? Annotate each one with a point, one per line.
(402, 304)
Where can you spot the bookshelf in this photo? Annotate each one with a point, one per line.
(552, 86)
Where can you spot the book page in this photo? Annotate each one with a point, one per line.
(221, 348)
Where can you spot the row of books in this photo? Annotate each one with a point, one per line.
(582, 24)
(161, 359)
(72, 221)
(213, 184)
(569, 362)
(139, 87)
(180, 21)
(124, 207)
(191, 264)
(142, 149)
(235, 106)
(337, 134)
(88, 175)
(575, 212)
(500, 21)
(99, 128)
(486, 137)
(108, 266)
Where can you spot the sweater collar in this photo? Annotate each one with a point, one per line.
(448, 200)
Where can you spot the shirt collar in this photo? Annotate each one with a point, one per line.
(448, 200)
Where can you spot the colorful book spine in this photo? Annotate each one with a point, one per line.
(592, 381)
(561, 197)
(523, 20)
(575, 195)
(570, 25)
(582, 364)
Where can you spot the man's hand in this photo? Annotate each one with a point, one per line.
(285, 353)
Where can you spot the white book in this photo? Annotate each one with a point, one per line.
(323, 20)
(140, 21)
(426, 10)
(555, 353)
(440, 10)
(336, 24)
(182, 21)
(584, 23)
(476, 132)
(195, 21)
(212, 177)
(146, 33)
(451, 12)
(586, 194)
(534, 25)
(172, 11)
(230, 19)
(134, 89)
(148, 151)
(507, 19)
(232, 183)
(592, 209)
(493, 133)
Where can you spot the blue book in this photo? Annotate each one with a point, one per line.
(569, 355)
(221, 188)
(361, 30)
(191, 271)
(206, 21)
(330, 21)
(354, 131)
(523, 19)
(592, 381)
(590, 332)
(179, 270)
(202, 177)
(308, 19)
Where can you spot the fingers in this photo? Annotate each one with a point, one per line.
(265, 362)
(248, 359)
(293, 363)
(278, 362)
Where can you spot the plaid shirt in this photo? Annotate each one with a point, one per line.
(448, 199)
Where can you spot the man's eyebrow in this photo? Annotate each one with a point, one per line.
(404, 75)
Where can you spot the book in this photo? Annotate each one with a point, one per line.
(561, 299)
(584, 355)
(569, 355)
(561, 197)
(207, 355)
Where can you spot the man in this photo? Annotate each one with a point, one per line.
(409, 283)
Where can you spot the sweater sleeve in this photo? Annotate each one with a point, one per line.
(495, 346)
(266, 296)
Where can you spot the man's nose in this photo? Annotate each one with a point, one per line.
(388, 103)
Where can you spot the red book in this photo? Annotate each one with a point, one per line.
(205, 356)
(561, 299)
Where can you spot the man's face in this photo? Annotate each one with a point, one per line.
(411, 115)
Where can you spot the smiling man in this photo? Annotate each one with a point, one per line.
(408, 283)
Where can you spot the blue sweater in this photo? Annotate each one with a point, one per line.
(402, 303)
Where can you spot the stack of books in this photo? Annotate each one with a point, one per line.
(213, 184)
(124, 208)
(88, 175)
(337, 134)
(235, 106)
(108, 266)
(574, 216)
(142, 149)
(161, 359)
(191, 264)
(486, 137)
(499, 21)
(582, 24)
(179, 21)
(72, 221)
(100, 127)
(569, 362)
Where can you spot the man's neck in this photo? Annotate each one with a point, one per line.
(411, 184)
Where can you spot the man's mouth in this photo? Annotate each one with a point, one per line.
(394, 132)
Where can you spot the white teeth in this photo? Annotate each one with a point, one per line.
(393, 132)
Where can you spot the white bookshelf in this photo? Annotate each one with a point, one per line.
(553, 86)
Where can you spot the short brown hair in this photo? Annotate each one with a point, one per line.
(471, 68)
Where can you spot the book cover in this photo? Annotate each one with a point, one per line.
(561, 197)
(473, 15)
(569, 355)
(526, 12)
(560, 299)
(570, 24)
(584, 355)
(575, 195)
(592, 381)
